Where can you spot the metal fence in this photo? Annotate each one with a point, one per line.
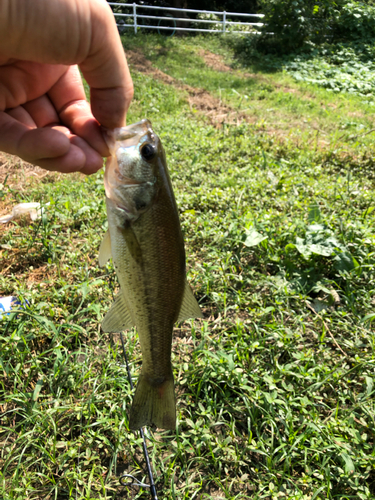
(132, 15)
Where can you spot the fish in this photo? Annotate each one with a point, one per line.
(145, 241)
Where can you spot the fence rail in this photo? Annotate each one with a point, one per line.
(169, 22)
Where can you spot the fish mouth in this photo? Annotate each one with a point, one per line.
(127, 182)
(131, 134)
(139, 128)
(123, 209)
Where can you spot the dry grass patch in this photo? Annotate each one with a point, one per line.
(19, 173)
(199, 99)
(214, 61)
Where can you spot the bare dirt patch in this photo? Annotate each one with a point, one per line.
(214, 61)
(19, 173)
(138, 61)
(199, 99)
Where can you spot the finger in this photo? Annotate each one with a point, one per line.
(20, 114)
(42, 112)
(68, 97)
(30, 143)
(46, 147)
(72, 161)
(109, 106)
(94, 160)
(23, 81)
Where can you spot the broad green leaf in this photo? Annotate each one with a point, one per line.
(349, 466)
(302, 248)
(319, 249)
(368, 211)
(315, 228)
(253, 238)
(344, 261)
(290, 246)
(83, 210)
(369, 385)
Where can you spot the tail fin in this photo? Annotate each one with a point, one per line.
(153, 404)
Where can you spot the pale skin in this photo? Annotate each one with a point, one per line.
(44, 116)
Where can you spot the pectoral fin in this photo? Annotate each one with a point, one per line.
(105, 250)
(118, 317)
(189, 307)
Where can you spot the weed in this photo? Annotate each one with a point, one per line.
(275, 387)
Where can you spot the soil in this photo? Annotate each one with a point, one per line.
(18, 171)
(214, 61)
(17, 175)
(199, 99)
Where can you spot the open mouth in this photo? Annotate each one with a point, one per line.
(127, 182)
(122, 209)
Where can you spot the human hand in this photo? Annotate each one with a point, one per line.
(44, 116)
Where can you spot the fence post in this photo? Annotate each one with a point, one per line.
(224, 19)
(135, 17)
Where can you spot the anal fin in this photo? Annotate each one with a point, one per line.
(118, 318)
(189, 306)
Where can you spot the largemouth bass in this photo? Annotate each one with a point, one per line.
(145, 241)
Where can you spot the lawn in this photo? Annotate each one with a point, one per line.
(275, 184)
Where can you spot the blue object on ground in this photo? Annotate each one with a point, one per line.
(9, 303)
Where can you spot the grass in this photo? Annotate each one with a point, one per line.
(271, 99)
(275, 386)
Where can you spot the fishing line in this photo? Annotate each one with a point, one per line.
(124, 479)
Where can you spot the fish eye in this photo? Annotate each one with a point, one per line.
(148, 151)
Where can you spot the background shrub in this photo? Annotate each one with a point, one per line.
(354, 21)
(290, 25)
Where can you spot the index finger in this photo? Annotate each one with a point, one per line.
(69, 100)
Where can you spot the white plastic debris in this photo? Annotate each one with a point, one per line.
(9, 303)
(34, 209)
